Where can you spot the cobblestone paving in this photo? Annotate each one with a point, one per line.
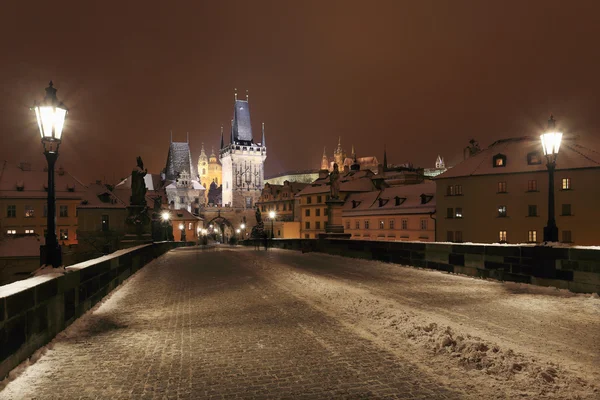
(201, 324)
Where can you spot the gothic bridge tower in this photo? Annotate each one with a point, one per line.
(242, 160)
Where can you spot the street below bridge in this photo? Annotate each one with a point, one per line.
(232, 322)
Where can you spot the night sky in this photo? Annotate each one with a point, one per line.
(423, 77)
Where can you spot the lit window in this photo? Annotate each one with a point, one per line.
(502, 236)
(566, 209)
(29, 212)
(423, 224)
(391, 224)
(532, 210)
(11, 211)
(566, 184)
(190, 226)
(366, 224)
(532, 236)
(450, 190)
(381, 224)
(458, 190)
(501, 187)
(566, 237)
(532, 186)
(63, 211)
(534, 158)
(11, 232)
(458, 212)
(502, 211)
(63, 234)
(499, 160)
(29, 231)
(404, 224)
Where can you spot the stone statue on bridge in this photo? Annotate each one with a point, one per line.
(334, 180)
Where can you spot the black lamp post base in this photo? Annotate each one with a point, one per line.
(550, 234)
(51, 255)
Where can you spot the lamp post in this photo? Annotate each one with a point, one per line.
(550, 145)
(182, 229)
(50, 115)
(272, 216)
(238, 231)
(165, 216)
(243, 228)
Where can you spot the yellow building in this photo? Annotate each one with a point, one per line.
(281, 199)
(183, 220)
(400, 213)
(209, 170)
(311, 209)
(24, 199)
(500, 194)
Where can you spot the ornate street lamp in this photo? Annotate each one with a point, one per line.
(51, 114)
(182, 229)
(272, 216)
(550, 145)
(243, 228)
(165, 216)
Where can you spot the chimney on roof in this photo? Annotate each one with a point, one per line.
(25, 166)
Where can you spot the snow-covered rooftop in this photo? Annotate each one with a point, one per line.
(98, 196)
(384, 201)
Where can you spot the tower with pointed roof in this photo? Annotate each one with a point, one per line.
(324, 160)
(339, 155)
(242, 161)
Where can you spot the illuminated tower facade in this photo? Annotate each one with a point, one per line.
(242, 161)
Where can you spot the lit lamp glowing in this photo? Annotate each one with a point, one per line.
(182, 229)
(272, 216)
(165, 216)
(550, 145)
(50, 115)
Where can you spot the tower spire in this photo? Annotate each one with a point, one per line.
(188, 137)
(171, 136)
(232, 141)
(264, 141)
(222, 142)
(324, 160)
(235, 94)
(247, 96)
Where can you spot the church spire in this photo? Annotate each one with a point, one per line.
(232, 141)
(324, 160)
(222, 141)
(264, 141)
(353, 154)
(235, 94)
(247, 96)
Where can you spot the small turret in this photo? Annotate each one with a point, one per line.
(324, 161)
(264, 141)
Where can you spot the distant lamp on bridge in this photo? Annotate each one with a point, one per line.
(51, 114)
(182, 229)
(165, 216)
(272, 216)
(550, 145)
(243, 228)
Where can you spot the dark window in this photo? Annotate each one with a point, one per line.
(450, 213)
(502, 211)
(366, 224)
(381, 224)
(404, 223)
(308, 200)
(284, 207)
(450, 236)
(348, 224)
(501, 187)
(566, 237)
(105, 226)
(532, 210)
(63, 211)
(424, 224)
(357, 224)
(181, 199)
(318, 212)
(399, 200)
(458, 236)
(318, 225)
(318, 199)
(307, 212)
(306, 236)
(458, 212)
(566, 209)
(450, 190)
(307, 225)
(534, 158)
(499, 160)
(532, 186)
(11, 211)
(325, 212)
(391, 224)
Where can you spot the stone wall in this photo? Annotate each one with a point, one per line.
(34, 310)
(576, 269)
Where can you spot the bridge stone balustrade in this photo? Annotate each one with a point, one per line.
(34, 310)
(572, 268)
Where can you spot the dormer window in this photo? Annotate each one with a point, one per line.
(425, 198)
(399, 200)
(534, 158)
(383, 202)
(499, 161)
(355, 203)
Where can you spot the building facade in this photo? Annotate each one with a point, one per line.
(242, 161)
(401, 213)
(342, 160)
(209, 170)
(280, 199)
(500, 194)
(24, 199)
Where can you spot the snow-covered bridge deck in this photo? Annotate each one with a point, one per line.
(281, 324)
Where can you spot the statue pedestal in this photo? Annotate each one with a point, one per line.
(335, 228)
